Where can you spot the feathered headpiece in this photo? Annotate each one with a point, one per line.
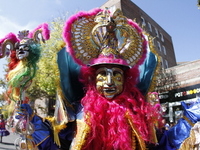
(11, 41)
(97, 37)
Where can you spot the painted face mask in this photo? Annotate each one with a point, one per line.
(109, 81)
(22, 51)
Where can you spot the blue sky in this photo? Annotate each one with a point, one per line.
(180, 18)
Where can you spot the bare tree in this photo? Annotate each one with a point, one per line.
(166, 80)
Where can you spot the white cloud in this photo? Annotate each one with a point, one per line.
(7, 26)
(59, 2)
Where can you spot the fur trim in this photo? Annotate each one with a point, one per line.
(68, 28)
(137, 27)
(11, 36)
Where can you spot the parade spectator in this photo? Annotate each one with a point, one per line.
(3, 131)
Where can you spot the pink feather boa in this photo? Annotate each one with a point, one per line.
(11, 36)
(109, 127)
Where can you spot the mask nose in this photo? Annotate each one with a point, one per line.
(109, 78)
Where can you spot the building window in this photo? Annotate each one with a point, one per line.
(143, 21)
(159, 48)
(166, 63)
(153, 41)
(164, 50)
(157, 35)
(149, 26)
(161, 61)
(161, 37)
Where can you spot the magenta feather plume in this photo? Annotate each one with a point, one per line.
(11, 36)
(144, 45)
(45, 31)
(68, 28)
(12, 40)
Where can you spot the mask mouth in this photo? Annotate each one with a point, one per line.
(21, 52)
(109, 90)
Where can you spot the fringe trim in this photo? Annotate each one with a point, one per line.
(82, 132)
(188, 143)
(42, 140)
(56, 129)
(192, 124)
(136, 133)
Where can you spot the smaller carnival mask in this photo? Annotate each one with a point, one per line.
(153, 98)
(22, 51)
(109, 81)
(22, 47)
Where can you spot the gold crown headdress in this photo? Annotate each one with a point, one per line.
(98, 37)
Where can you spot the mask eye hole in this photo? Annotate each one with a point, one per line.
(23, 48)
(115, 73)
(26, 48)
(103, 73)
(100, 79)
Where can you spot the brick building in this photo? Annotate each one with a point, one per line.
(162, 40)
(187, 74)
(187, 90)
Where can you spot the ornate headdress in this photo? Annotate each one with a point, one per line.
(97, 37)
(12, 42)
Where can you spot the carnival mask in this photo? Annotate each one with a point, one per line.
(109, 81)
(22, 51)
(153, 98)
(22, 48)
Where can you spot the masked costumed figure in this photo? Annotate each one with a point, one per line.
(24, 52)
(185, 134)
(99, 74)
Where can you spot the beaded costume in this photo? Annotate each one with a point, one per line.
(105, 120)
